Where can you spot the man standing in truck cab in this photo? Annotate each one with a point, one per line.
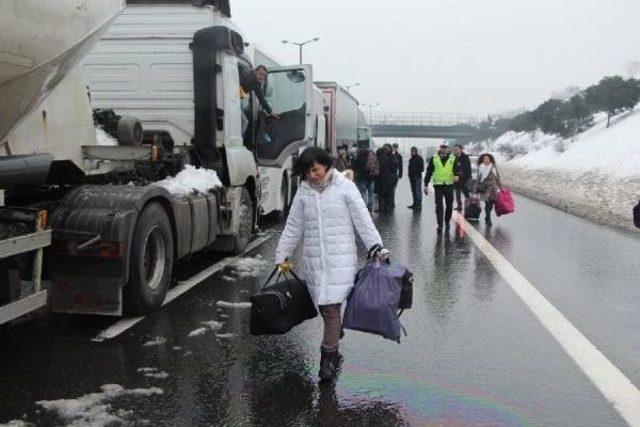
(443, 168)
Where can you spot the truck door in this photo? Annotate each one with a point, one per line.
(289, 92)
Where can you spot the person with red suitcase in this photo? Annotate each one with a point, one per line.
(488, 184)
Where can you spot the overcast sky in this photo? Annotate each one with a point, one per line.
(473, 56)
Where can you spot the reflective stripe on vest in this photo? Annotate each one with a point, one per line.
(443, 173)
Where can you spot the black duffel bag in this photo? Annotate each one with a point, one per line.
(277, 308)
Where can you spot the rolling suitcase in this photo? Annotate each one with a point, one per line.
(472, 209)
(277, 308)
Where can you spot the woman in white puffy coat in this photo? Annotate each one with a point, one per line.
(324, 213)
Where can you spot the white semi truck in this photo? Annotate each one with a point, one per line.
(111, 235)
(342, 115)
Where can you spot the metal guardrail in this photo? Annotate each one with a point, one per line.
(424, 119)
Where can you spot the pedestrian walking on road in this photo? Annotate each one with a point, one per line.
(442, 167)
(324, 213)
(488, 184)
(366, 169)
(398, 158)
(342, 162)
(464, 175)
(416, 168)
(387, 179)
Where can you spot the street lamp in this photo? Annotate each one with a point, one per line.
(348, 87)
(300, 44)
(377, 104)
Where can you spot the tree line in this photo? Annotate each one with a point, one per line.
(566, 117)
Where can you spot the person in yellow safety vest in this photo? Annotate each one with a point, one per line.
(442, 167)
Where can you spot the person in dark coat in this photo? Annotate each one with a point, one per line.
(387, 179)
(365, 178)
(416, 168)
(464, 175)
(396, 154)
(442, 167)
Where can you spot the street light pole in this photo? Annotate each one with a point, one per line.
(300, 44)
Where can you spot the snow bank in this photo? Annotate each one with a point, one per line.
(595, 174)
(226, 336)
(16, 423)
(103, 138)
(213, 325)
(191, 180)
(153, 373)
(93, 409)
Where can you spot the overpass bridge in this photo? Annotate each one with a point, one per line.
(463, 127)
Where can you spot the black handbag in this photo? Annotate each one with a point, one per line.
(277, 308)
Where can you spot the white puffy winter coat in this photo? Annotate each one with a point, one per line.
(326, 221)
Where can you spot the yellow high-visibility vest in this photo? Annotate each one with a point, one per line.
(443, 174)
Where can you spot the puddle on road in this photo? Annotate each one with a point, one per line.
(424, 403)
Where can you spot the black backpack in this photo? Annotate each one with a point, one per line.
(636, 215)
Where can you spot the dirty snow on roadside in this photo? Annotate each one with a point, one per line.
(94, 408)
(191, 180)
(155, 341)
(226, 304)
(16, 423)
(595, 174)
(153, 373)
(248, 266)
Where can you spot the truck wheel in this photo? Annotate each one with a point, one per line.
(284, 196)
(151, 262)
(241, 240)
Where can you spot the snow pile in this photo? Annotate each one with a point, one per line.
(213, 325)
(93, 409)
(226, 304)
(191, 180)
(595, 174)
(226, 336)
(103, 138)
(249, 267)
(154, 342)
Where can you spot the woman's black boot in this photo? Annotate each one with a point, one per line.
(327, 365)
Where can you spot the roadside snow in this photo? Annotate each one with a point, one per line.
(191, 180)
(103, 138)
(197, 332)
(595, 175)
(249, 267)
(153, 373)
(16, 423)
(155, 341)
(226, 336)
(226, 304)
(93, 408)
(213, 325)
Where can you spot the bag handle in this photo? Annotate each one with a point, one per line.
(280, 274)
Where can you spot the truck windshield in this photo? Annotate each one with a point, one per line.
(286, 90)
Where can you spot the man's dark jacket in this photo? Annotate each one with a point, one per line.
(464, 168)
(416, 165)
(250, 83)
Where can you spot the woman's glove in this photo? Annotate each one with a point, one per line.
(285, 266)
(383, 254)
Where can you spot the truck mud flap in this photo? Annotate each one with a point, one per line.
(86, 295)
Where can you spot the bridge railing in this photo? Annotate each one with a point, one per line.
(424, 119)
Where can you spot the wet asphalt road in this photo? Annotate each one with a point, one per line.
(474, 356)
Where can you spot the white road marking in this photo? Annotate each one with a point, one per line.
(183, 286)
(612, 383)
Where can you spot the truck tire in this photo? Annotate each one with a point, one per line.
(245, 227)
(151, 261)
(284, 195)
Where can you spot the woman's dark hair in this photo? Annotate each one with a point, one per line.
(308, 158)
(491, 158)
